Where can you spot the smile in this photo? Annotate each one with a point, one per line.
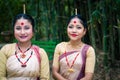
(23, 37)
(73, 35)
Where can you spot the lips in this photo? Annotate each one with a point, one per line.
(73, 35)
(23, 37)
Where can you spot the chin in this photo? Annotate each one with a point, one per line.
(74, 39)
(22, 40)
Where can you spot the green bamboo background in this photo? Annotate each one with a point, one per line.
(103, 17)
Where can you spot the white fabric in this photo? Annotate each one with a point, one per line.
(15, 71)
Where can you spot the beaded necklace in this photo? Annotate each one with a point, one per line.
(70, 70)
(23, 53)
(68, 64)
(23, 64)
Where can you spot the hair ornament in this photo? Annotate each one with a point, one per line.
(24, 9)
(76, 11)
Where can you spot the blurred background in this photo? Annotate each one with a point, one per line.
(103, 19)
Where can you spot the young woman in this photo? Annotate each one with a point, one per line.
(23, 60)
(74, 60)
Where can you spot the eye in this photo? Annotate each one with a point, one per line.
(70, 26)
(26, 27)
(78, 27)
(17, 27)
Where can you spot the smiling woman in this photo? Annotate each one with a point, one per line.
(23, 60)
(74, 60)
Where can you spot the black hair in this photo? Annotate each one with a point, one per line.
(24, 16)
(82, 20)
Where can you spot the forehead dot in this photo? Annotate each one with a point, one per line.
(22, 23)
(74, 21)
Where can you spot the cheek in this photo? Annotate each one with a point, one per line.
(68, 30)
(16, 32)
(68, 33)
(31, 32)
(82, 33)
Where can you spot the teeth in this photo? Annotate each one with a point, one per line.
(23, 36)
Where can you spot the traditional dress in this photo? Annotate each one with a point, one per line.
(74, 64)
(35, 66)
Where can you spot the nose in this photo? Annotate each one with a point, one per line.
(22, 31)
(74, 29)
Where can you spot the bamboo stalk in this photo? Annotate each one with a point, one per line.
(91, 25)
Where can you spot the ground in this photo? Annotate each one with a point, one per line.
(110, 73)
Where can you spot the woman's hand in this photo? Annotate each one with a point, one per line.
(57, 75)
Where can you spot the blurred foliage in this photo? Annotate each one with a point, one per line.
(51, 17)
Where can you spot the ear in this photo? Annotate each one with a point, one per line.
(84, 32)
(33, 34)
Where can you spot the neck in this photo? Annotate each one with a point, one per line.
(24, 46)
(75, 43)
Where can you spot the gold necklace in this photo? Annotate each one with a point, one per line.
(71, 70)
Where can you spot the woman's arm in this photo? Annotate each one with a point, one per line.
(56, 75)
(55, 67)
(44, 66)
(3, 60)
(90, 64)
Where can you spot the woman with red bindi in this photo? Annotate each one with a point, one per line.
(23, 60)
(74, 59)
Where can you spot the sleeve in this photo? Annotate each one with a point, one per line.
(90, 61)
(3, 61)
(44, 68)
(56, 56)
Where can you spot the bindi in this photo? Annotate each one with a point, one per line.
(22, 23)
(74, 21)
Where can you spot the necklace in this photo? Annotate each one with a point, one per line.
(23, 53)
(70, 70)
(23, 64)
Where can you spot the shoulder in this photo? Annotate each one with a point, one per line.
(42, 50)
(60, 47)
(8, 49)
(37, 48)
(90, 50)
(88, 46)
(9, 46)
